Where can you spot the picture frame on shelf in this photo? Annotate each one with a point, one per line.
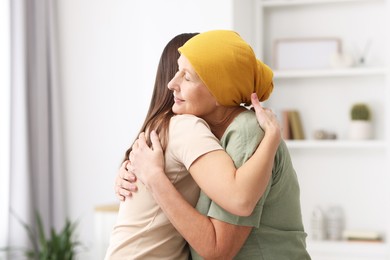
(305, 53)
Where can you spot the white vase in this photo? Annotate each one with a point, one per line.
(318, 231)
(360, 130)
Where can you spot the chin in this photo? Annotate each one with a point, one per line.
(176, 110)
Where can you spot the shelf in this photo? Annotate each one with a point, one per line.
(313, 91)
(282, 3)
(352, 72)
(344, 248)
(314, 144)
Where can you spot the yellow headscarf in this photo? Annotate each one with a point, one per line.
(228, 67)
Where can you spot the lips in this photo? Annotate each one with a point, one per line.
(178, 100)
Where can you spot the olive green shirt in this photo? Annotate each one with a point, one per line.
(277, 231)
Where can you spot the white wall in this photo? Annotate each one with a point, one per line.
(109, 52)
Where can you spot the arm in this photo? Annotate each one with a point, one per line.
(211, 238)
(245, 185)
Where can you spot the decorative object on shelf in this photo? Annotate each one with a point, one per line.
(305, 53)
(318, 229)
(292, 128)
(334, 223)
(324, 135)
(363, 53)
(360, 127)
(341, 60)
(362, 235)
(286, 129)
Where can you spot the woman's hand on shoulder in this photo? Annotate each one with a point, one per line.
(266, 118)
(125, 182)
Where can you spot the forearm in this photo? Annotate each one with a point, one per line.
(256, 172)
(198, 230)
(218, 177)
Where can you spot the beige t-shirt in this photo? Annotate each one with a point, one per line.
(142, 230)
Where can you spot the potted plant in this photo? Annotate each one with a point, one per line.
(360, 127)
(58, 245)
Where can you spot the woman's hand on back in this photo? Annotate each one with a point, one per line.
(266, 118)
(146, 161)
(125, 182)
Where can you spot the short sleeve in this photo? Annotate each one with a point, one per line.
(189, 138)
(240, 143)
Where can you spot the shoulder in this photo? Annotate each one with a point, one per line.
(242, 137)
(245, 122)
(244, 128)
(189, 138)
(188, 121)
(190, 130)
(184, 128)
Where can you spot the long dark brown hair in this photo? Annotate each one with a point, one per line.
(160, 108)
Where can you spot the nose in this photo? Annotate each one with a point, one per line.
(174, 84)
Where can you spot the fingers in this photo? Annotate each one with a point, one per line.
(125, 182)
(156, 145)
(131, 156)
(120, 197)
(119, 192)
(123, 193)
(135, 145)
(141, 142)
(142, 138)
(125, 173)
(127, 189)
(258, 108)
(265, 116)
(123, 166)
(255, 102)
(124, 189)
(130, 172)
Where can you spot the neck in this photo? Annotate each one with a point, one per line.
(221, 119)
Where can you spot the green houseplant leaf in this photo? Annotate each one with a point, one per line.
(56, 246)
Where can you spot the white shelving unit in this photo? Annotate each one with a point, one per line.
(354, 175)
(352, 72)
(284, 3)
(348, 250)
(335, 144)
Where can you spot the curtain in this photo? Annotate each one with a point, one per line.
(36, 178)
(4, 118)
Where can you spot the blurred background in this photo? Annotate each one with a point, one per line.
(77, 77)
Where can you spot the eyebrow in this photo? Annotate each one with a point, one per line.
(192, 73)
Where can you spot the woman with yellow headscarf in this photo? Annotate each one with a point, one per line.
(142, 230)
(218, 72)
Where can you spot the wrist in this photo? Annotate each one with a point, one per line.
(156, 179)
(273, 134)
